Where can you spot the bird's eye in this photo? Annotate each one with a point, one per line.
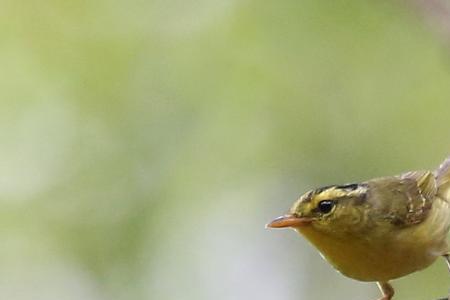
(325, 206)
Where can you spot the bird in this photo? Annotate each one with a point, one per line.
(379, 229)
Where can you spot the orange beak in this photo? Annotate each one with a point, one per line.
(289, 221)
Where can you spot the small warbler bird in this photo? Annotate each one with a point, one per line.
(380, 229)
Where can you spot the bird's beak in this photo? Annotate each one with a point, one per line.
(289, 221)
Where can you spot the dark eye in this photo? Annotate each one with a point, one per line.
(325, 206)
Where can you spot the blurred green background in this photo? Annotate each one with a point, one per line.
(145, 144)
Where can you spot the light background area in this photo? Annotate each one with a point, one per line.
(145, 144)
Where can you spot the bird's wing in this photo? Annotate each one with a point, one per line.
(420, 190)
(425, 182)
(405, 199)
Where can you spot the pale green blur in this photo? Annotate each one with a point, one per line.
(144, 144)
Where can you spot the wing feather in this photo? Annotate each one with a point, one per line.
(405, 199)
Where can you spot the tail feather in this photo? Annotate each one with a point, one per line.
(443, 179)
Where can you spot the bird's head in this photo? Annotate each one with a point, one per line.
(330, 210)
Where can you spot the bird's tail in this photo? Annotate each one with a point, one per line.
(443, 179)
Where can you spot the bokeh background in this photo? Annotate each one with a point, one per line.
(145, 144)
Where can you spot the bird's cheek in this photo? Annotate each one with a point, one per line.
(352, 218)
(322, 225)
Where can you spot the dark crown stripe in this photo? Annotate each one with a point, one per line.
(351, 186)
